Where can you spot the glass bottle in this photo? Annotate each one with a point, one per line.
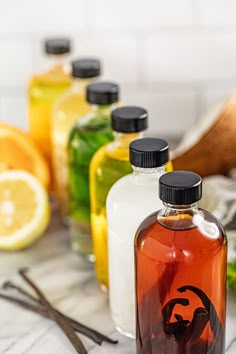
(43, 90)
(86, 137)
(110, 163)
(69, 107)
(180, 257)
(131, 199)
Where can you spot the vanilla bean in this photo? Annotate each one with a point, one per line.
(215, 323)
(9, 285)
(25, 305)
(197, 325)
(94, 335)
(216, 326)
(43, 312)
(169, 307)
(62, 322)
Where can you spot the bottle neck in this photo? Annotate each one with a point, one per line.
(123, 140)
(80, 84)
(178, 217)
(57, 62)
(103, 109)
(185, 208)
(140, 173)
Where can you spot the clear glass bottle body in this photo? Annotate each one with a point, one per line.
(69, 107)
(43, 90)
(180, 261)
(110, 163)
(129, 201)
(86, 137)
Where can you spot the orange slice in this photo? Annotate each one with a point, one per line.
(18, 152)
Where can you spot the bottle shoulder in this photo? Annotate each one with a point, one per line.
(99, 157)
(69, 96)
(110, 154)
(80, 125)
(128, 188)
(70, 105)
(91, 124)
(168, 241)
(53, 77)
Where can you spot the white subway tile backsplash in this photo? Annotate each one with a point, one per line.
(177, 58)
(118, 55)
(15, 62)
(133, 14)
(13, 109)
(41, 17)
(216, 12)
(171, 112)
(191, 57)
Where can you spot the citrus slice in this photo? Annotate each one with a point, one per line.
(18, 152)
(24, 210)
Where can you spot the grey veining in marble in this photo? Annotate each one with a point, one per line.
(70, 284)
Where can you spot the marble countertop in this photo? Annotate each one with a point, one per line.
(69, 283)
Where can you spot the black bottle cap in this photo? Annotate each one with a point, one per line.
(180, 187)
(129, 119)
(86, 68)
(57, 46)
(102, 93)
(149, 152)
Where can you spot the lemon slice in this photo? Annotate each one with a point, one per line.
(24, 210)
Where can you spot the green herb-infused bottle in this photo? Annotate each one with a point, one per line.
(88, 135)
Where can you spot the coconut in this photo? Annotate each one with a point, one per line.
(209, 148)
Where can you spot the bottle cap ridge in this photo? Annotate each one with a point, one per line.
(129, 119)
(180, 187)
(102, 93)
(149, 152)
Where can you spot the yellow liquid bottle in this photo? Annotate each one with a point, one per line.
(110, 163)
(43, 90)
(70, 107)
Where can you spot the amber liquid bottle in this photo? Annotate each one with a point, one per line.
(180, 259)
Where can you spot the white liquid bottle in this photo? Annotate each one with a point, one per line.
(130, 200)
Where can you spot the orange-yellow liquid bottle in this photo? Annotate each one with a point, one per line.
(110, 163)
(69, 108)
(43, 90)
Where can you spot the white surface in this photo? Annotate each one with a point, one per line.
(118, 54)
(140, 14)
(15, 62)
(194, 57)
(33, 17)
(216, 12)
(183, 50)
(167, 108)
(70, 284)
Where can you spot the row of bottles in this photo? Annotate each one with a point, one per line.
(174, 269)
